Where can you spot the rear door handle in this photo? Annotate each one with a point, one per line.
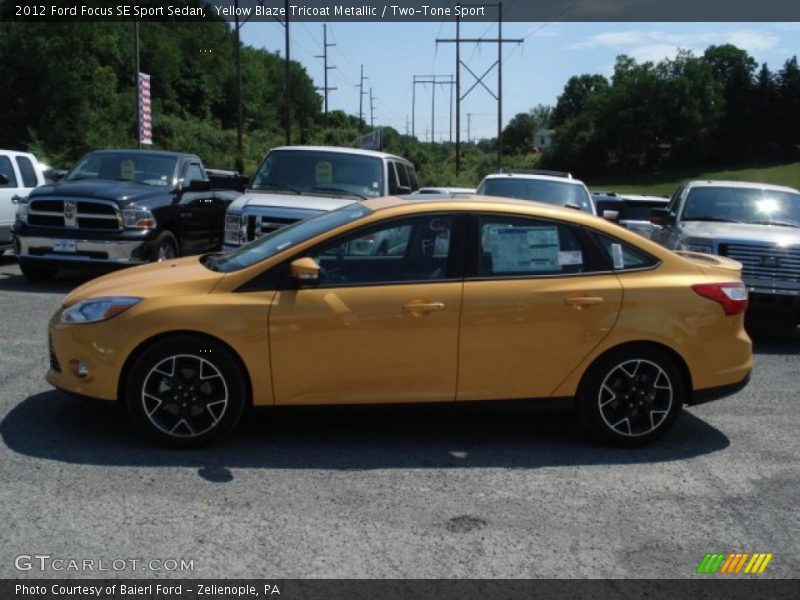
(423, 307)
(581, 301)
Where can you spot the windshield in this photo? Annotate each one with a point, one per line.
(543, 190)
(742, 205)
(138, 167)
(288, 237)
(320, 172)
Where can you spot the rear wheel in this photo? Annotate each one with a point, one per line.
(632, 397)
(36, 272)
(186, 391)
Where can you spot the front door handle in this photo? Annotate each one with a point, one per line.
(579, 302)
(423, 307)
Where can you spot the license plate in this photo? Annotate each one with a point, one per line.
(64, 246)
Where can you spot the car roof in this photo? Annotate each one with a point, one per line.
(343, 150)
(467, 202)
(533, 176)
(742, 184)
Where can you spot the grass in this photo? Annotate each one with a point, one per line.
(666, 183)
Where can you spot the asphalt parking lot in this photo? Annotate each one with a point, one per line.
(390, 493)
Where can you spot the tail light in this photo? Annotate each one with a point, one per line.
(732, 295)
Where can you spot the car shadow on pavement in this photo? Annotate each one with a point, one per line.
(63, 283)
(57, 427)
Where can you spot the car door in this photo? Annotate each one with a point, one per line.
(381, 325)
(538, 298)
(199, 213)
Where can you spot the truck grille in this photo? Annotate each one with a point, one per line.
(258, 225)
(766, 261)
(54, 364)
(75, 214)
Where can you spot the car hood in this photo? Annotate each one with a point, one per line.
(184, 276)
(745, 232)
(122, 192)
(303, 201)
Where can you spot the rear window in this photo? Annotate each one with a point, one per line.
(623, 256)
(542, 190)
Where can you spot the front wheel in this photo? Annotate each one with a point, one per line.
(186, 391)
(164, 247)
(632, 397)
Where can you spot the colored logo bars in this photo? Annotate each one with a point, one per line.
(734, 563)
(145, 129)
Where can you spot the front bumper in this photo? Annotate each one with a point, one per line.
(102, 252)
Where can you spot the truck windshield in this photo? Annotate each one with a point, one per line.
(138, 167)
(320, 172)
(285, 238)
(543, 190)
(742, 205)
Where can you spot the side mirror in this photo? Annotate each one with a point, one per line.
(305, 271)
(198, 185)
(611, 215)
(660, 216)
(403, 189)
(3, 179)
(56, 175)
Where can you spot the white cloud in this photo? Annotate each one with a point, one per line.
(654, 44)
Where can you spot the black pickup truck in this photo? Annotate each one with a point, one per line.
(119, 208)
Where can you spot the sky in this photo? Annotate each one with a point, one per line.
(534, 72)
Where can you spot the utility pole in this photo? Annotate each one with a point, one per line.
(371, 109)
(469, 124)
(500, 40)
(361, 93)
(324, 56)
(287, 94)
(434, 80)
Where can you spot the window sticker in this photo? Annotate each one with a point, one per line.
(523, 249)
(126, 170)
(573, 257)
(616, 256)
(323, 172)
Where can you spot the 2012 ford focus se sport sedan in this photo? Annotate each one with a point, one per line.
(406, 301)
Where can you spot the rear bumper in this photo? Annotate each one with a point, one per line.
(715, 393)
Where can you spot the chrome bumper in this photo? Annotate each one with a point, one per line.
(95, 251)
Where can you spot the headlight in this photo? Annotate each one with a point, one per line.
(140, 218)
(235, 229)
(98, 309)
(22, 209)
(704, 248)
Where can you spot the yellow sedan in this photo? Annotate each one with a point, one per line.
(406, 301)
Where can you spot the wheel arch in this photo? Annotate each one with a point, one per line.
(680, 362)
(143, 346)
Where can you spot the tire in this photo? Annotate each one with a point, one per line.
(631, 397)
(185, 391)
(164, 247)
(34, 272)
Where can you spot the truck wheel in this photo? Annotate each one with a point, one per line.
(185, 391)
(631, 397)
(35, 272)
(164, 247)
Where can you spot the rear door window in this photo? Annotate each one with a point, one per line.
(27, 172)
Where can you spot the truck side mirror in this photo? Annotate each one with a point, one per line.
(660, 216)
(611, 215)
(198, 185)
(305, 271)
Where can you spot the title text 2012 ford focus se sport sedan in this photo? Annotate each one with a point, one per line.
(412, 300)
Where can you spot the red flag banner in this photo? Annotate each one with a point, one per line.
(145, 116)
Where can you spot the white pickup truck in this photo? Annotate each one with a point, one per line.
(20, 172)
(296, 182)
